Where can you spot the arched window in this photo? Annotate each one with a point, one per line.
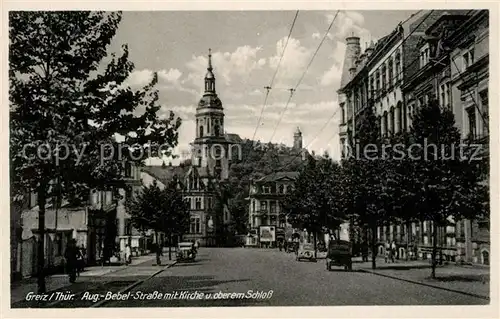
(385, 124)
(391, 120)
(201, 131)
(217, 130)
(399, 116)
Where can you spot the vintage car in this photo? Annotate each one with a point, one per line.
(306, 251)
(186, 251)
(339, 254)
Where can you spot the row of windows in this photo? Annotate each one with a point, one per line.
(281, 189)
(386, 76)
(264, 206)
(195, 203)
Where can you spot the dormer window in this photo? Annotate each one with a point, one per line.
(281, 189)
(424, 55)
(266, 189)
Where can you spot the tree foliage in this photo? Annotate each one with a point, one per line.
(67, 101)
(161, 209)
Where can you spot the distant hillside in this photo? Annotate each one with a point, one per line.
(257, 161)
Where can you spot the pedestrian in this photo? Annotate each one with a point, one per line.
(387, 252)
(364, 251)
(393, 251)
(128, 254)
(71, 256)
(196, 245)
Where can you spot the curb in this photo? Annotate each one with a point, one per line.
(425, 284)
(135, 284)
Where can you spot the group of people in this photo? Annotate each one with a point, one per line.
(390, 252)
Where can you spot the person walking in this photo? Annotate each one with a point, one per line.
(71, 256)
(128, 255)
(393, 251)
(387, 252)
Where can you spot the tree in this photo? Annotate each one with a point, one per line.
(365, 188)
(161, 209)
(67, 102)
(447, 181)
(312, 205)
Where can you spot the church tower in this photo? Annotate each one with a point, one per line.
(297, 139)
(210, 145)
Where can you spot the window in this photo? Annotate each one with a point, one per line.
(59, 244)
(201, 131)
(372, 87)
(397, 67)
(384, 77)
(210, 202)
(377, 84)
(266, 189)
(198, 203)
(343, 114)
(218, 163)
(33, 199)
(128, 226)
(273, 207)
(390, 72)
(263, 205)
(128, 169)
(391, 121)
(281, 189)
(253, 206)
(471, 114)
(468, 58)
(195, 225)
(483, 96)
(188, 202)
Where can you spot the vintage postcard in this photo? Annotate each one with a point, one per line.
(251, 157)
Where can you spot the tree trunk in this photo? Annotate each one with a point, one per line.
(315, 243)
(374, 245)
(434, 249)
(408, 226)
(170, 247)
(158, 247)
(41, 242)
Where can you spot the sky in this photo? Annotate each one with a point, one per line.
(246, 48)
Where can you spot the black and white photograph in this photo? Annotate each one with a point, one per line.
(249, 158)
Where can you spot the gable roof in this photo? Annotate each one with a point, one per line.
(278, 176)
(165, 174)
(233, 138)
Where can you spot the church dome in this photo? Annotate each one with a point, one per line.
(210, 100)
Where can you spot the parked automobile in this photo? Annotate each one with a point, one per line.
(186, 251)
(339, 254)
(306, 251)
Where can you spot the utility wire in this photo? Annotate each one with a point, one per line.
(269, 87)
(303, 74)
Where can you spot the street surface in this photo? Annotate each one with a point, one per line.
(292, 283)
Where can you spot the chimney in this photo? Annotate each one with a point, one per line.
(353, 50)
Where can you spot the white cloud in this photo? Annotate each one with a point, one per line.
(294, 60)
(316, 35)
(172, 75)
(228, 66)
(139, 78)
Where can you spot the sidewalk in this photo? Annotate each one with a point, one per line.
(140, 266)
(471, 280)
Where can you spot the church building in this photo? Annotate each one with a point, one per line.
(213, 150)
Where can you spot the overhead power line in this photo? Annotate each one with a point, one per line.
(303, 74)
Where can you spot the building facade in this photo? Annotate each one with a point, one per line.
(267, 223)
(442, 56)
(469, 85)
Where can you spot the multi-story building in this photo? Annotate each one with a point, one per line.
(469, 84)
(376, 79)
(97, 223)
(267, 223)
(444, 57)
(213, 151)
